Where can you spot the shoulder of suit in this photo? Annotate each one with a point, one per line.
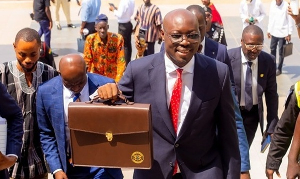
(96, 78)
(234, 50)
(209, 42)
(266, 56)
(208, 59)
(50, 83)
(218, 26)
(148, 61)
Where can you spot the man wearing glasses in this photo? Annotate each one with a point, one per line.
(190, 97)
(254, 74)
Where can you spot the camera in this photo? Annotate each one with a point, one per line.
(251, 20)
(142, 36)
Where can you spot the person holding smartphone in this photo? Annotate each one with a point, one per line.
(148, 16)
(123, 14)
(296, 19)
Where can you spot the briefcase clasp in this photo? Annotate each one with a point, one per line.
(109, 136)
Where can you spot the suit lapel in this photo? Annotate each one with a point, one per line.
(157, 78)
(58, 102)
(237, 71)
(260, 71)
(198, 89)
(92, 86)
(210, 49)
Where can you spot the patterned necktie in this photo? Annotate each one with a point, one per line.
(68, 143)
(175, 100)
(174, 106)
(248, 88)
(76, 97)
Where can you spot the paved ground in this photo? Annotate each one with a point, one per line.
(15, 15)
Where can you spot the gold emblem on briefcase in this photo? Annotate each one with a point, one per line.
(137, 157)
(109, 136)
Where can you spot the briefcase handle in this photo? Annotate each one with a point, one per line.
(120, 96)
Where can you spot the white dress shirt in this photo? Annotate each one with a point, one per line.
(187, 77)
(125, 11)
(186, 90)
(254, 68)
(68, 96)
(203, 46)
(280, 22)
(253, 9)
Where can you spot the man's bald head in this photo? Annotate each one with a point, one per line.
(196, 8)
(73, 72)
(177, 15)
(253, 30)
(181, 35)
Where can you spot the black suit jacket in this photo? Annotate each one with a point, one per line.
(218, 51)
(266, 84)
(200, 152)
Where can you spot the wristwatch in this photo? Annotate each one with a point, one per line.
(298, 25)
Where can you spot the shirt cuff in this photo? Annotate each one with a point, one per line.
(14, 155)
(57, 170)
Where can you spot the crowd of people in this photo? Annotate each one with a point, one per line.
(206, 100)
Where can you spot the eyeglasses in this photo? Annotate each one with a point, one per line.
(251, 47)
(207, 15)
(178, 38)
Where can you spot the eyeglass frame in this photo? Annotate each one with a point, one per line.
(186, 38)
(257, 47)
(208, 15)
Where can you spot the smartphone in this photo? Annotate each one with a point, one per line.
(265, 144)
(294, 6)
(142, 36)
(111, 4)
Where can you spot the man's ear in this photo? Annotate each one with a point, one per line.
(162, 34)
(107, 26)
(200, 48)
(14, 45)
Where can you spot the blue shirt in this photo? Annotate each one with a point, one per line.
(90, 10)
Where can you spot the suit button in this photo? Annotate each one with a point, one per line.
(171, 164)
(176, 145)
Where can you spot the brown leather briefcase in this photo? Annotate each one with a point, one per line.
(118, 135)
(287, 49)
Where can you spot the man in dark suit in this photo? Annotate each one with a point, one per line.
(185, 111)
(52, 114)
(12, 113)
(254, 75)
(210, 47)
(219, 52)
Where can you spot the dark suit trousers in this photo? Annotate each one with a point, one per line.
(44, 30)
(93, 172)
(125, 29)
(250, 120)
(150, 49)
(273, 46)
(91, 27)
(4, 174)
